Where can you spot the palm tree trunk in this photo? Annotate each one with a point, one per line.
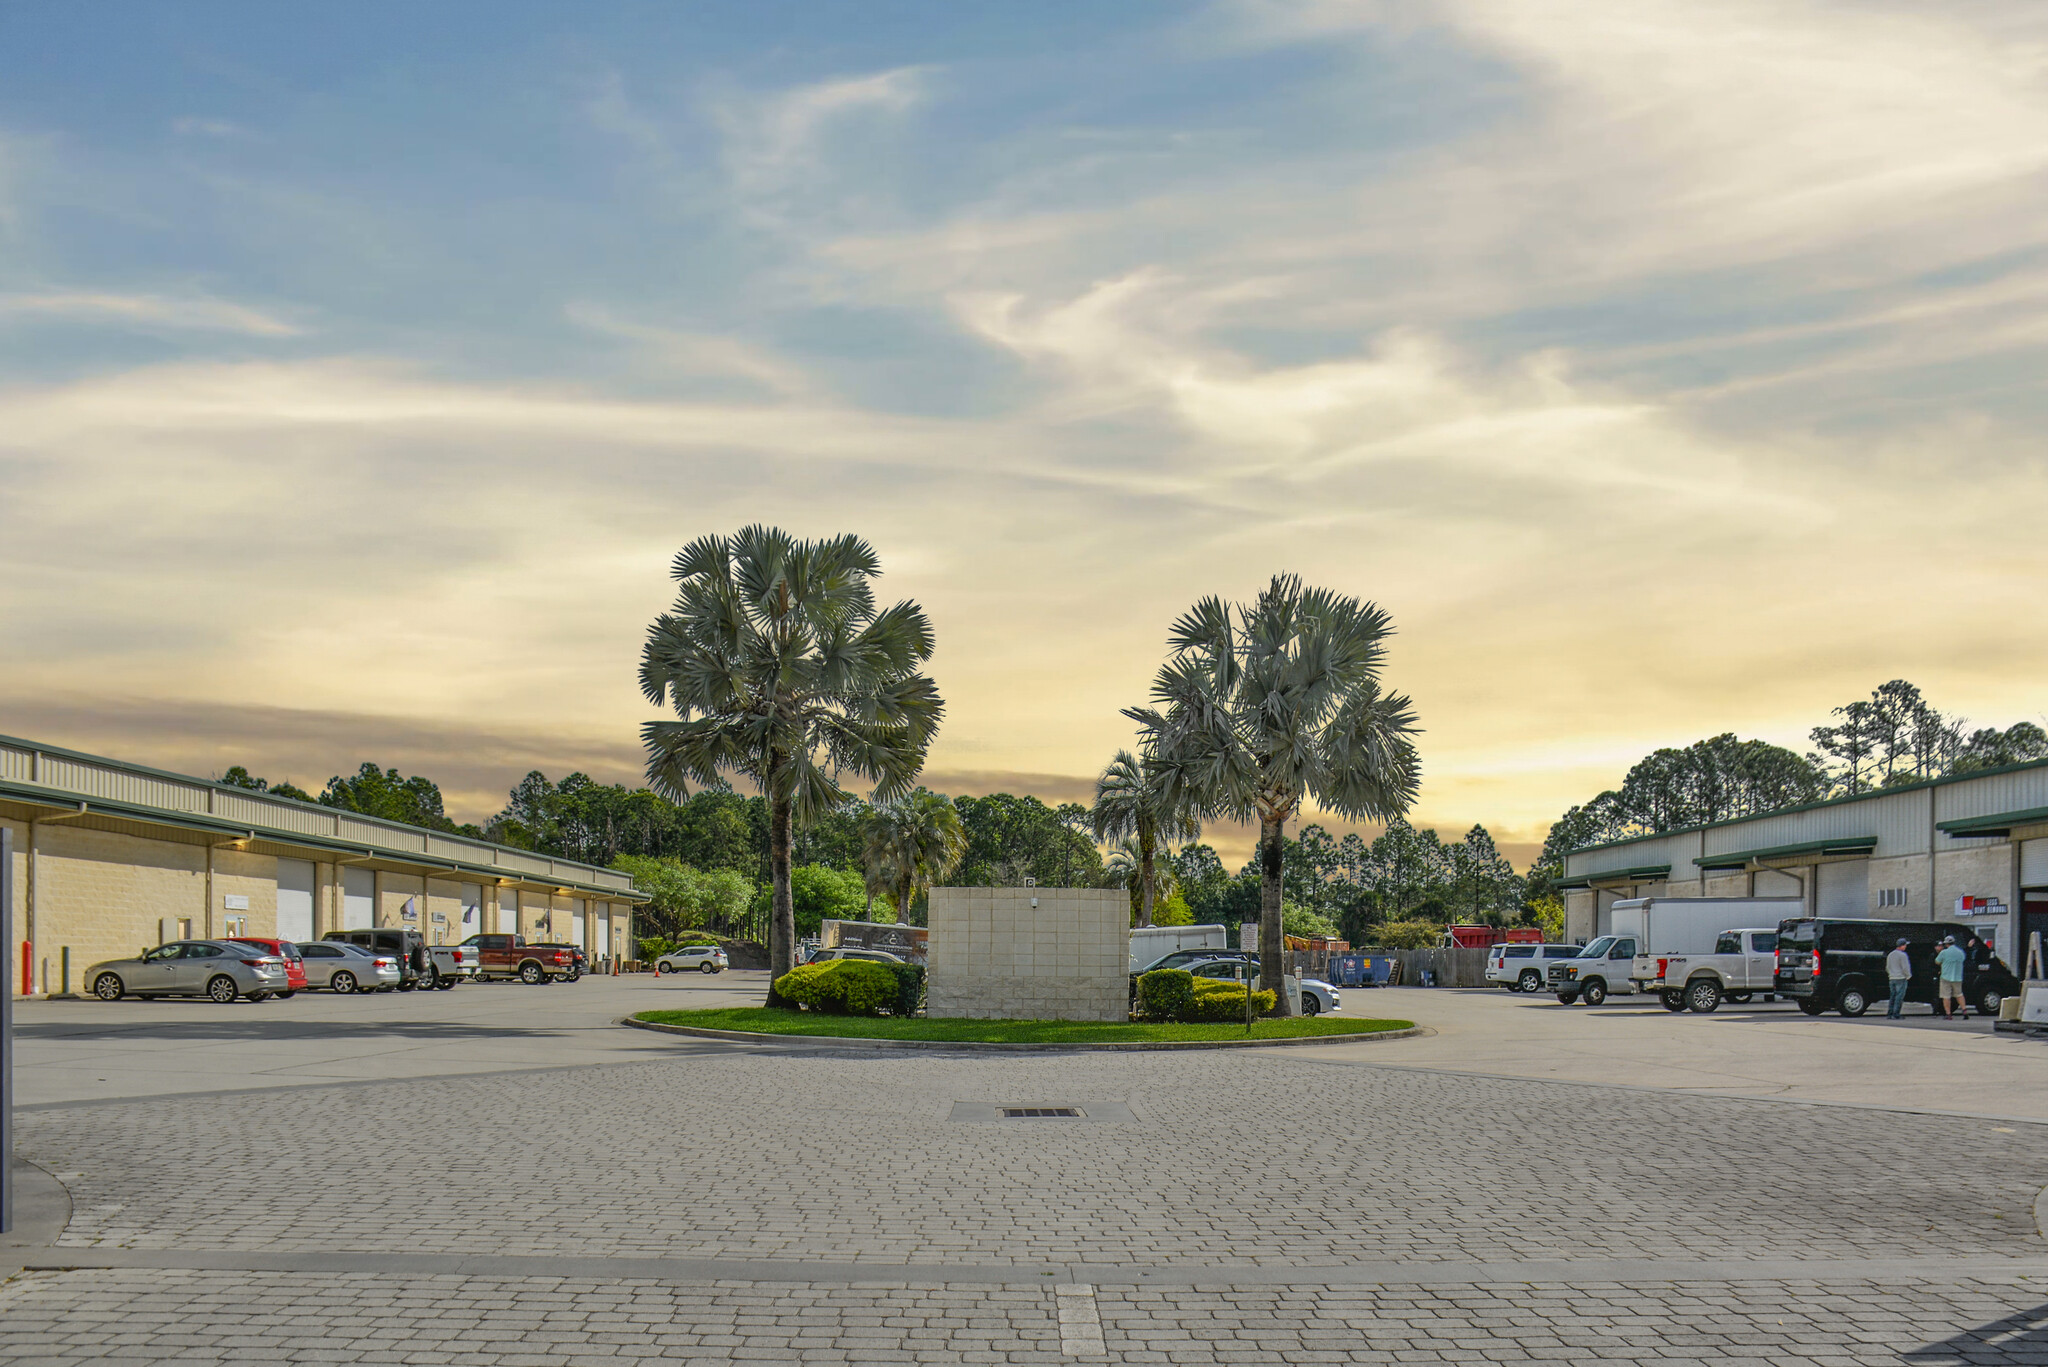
(1272, 846)
(782, 919)
(868, 914)
(904, 892)
(1144, 881)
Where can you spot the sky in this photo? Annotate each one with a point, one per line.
(1664, 367)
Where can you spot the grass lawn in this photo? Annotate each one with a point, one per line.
(763, 1020)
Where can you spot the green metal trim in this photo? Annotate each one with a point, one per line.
(1737, 859)
(1586, 880)
(1815, 806)
(124, 766)
(1998, 823)
(32, 794)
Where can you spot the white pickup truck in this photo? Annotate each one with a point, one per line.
(1743, 962)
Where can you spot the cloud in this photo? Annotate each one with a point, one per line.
(147, 312)
(194, 127)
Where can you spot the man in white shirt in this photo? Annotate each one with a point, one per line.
(1898, 967)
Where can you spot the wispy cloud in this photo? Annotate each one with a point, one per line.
(148, 312)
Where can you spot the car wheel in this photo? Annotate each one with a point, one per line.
(287, 994)
(107, 987)
(1567, 998)
(259, 996)
(1702, 997)
(430, 979)
(1673, 1001)
(445, 985)
(222, 989)
(1594, 992)
(659, 968)
(532, 975)
(1810, 1006)
(1852, 1002)
(1529, 982)
(708, 968)
(1310, 1005)
(342, 983)
(1989, 1000)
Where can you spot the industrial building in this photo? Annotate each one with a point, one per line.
(110, 857)
(1972, 847)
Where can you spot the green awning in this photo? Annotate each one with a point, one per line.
(1738, 859)
(1649, 872)
(1999, 823)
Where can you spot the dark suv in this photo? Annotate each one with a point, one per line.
(1840, 964)
(409, 947)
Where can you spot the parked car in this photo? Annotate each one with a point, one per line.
(508, 956)
(702, 958)
(1743, 961)
(1521, 968)
(1181, 958)
(294, 965)
(880, 956)
(1840, 964)
(343, 968)
(420, 965)
(1601, 969)
(220, 969)
(1317, 996)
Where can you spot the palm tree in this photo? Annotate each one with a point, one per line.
(1125, 868)
(1131, 801)
(911, 844)
(781, 670)
(1263, 706)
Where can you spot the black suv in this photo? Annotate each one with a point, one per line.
(1840, 964)
(409, 947)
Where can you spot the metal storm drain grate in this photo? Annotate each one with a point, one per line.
(1086, 1113)
(1041, 1112)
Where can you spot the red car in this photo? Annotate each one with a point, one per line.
(294, 962)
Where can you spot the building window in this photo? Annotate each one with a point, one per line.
(1892, 897)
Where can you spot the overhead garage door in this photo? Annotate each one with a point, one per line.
(575, 914)
(358, 899)
(472, 911)
(294, 899)
(1844, 888)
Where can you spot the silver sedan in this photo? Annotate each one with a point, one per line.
(343, 968)
(220, 969)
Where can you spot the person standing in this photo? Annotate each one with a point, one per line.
(1898, 967)
(1949, 962)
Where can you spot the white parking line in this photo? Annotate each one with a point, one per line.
(1080, 1325)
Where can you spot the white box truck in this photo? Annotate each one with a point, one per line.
(1153, 943)
(1641, 928)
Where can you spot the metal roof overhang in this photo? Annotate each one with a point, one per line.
(34, 795)
(1635, 875)
(1997, 824)
(1847, 845)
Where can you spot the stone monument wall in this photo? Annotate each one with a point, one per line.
(1029, 954)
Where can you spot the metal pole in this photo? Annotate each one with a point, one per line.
(6, 1037)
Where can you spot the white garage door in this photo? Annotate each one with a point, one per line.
(1844, 889)
(604, 937)
(575, 915)
(294, 899)
(472, 910)
(358, 899)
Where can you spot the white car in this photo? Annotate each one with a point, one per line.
(702, 958)
(1525, 968)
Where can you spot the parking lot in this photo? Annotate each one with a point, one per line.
(500, 1174)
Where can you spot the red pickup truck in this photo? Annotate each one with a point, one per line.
(508, 956)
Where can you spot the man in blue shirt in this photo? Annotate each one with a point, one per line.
(1950, 964)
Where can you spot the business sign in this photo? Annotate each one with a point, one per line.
(235, 901)
(905, 942)
(1979, 906)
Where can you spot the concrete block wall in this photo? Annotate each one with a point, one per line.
(994, 956)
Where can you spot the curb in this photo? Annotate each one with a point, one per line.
(985, 1047)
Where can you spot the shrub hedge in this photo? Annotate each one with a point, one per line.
(909, 989)
(842, 987)
(1216, 1000)
(1167, 994)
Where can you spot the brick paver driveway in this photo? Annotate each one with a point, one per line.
(720, 1203)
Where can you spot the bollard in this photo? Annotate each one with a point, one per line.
(64, 981)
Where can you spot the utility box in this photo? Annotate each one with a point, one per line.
(1029, 954)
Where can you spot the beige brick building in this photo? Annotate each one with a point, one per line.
(110, 857)
(1973, 848)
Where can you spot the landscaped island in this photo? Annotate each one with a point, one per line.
(772, 1021)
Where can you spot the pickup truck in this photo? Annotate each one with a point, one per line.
(508, 956)
(1743, 962)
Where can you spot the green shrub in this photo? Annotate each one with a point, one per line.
(909, 989)
(1217, 1000)
(1406, 935)
(654, 946)
(1167, 994)
(841, 987)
